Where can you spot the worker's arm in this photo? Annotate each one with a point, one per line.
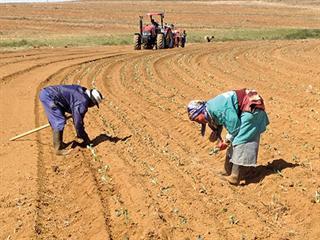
(216, 133)
(78, 116)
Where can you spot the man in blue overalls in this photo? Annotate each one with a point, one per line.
(74, 99)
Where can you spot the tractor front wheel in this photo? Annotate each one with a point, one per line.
(137, 42)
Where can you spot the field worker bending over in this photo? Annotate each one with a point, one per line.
(74, 99)
(242, 113)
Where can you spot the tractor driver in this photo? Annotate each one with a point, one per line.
(154, 23)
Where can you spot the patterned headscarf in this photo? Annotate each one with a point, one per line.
(195, 108)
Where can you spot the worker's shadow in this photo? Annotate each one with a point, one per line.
(257, 174)
(99, 139)
(104, 137)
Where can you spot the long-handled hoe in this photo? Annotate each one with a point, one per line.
(32, 131)
(29, 132)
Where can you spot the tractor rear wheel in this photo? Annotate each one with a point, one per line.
(160, 41)
(137, 42)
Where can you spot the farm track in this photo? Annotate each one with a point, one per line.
(152, 176)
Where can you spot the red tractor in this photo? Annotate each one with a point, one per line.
(154, 35)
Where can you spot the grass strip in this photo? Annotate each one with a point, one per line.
(254, 34)
(67, 41)
(192, 37)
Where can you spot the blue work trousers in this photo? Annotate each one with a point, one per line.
(54, 114)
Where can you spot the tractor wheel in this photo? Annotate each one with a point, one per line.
(160, 41)
(137, 42)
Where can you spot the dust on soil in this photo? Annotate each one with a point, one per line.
(151, 175)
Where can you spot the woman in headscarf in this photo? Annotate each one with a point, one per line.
(242, 113)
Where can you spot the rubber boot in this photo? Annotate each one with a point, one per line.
(58, 144)
(226, 171)
(234, 178)
(227, 164)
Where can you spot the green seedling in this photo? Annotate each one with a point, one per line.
(107, 124)
(165, 189)
(214, 151)
(93, 152)
(317, 197)
(277, 171)
(183, 220)
(233, 220)
(154, 181)
(104, 178)
(295, 158)
(200, 237)
(103, 172)
(104, 169)
(224, 210)
(150, 167)
(203, 190)
(126, 215)
(175, 210)
(122, 212)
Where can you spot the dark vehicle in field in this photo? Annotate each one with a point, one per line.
(157, 35)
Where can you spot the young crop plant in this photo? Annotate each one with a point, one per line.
(183, 219)
(214, 151)
(103, 173)
(123, 212)
(316, 197)
(233, 220)
(107, 124)
(93, 153)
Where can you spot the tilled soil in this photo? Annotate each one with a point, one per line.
(150, 174)
(108, 18)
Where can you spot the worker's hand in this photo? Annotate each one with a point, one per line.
(222, 145)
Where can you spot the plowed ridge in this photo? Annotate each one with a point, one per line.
(151, 175)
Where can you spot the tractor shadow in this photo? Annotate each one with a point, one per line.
(257, 174)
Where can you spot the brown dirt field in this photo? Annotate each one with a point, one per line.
(153, 177)
(116, 17)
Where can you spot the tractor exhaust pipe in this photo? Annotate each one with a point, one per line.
(140, 24)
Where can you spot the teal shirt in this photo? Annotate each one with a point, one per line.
(246, 128)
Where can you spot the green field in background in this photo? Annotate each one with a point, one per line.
(193, 36)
